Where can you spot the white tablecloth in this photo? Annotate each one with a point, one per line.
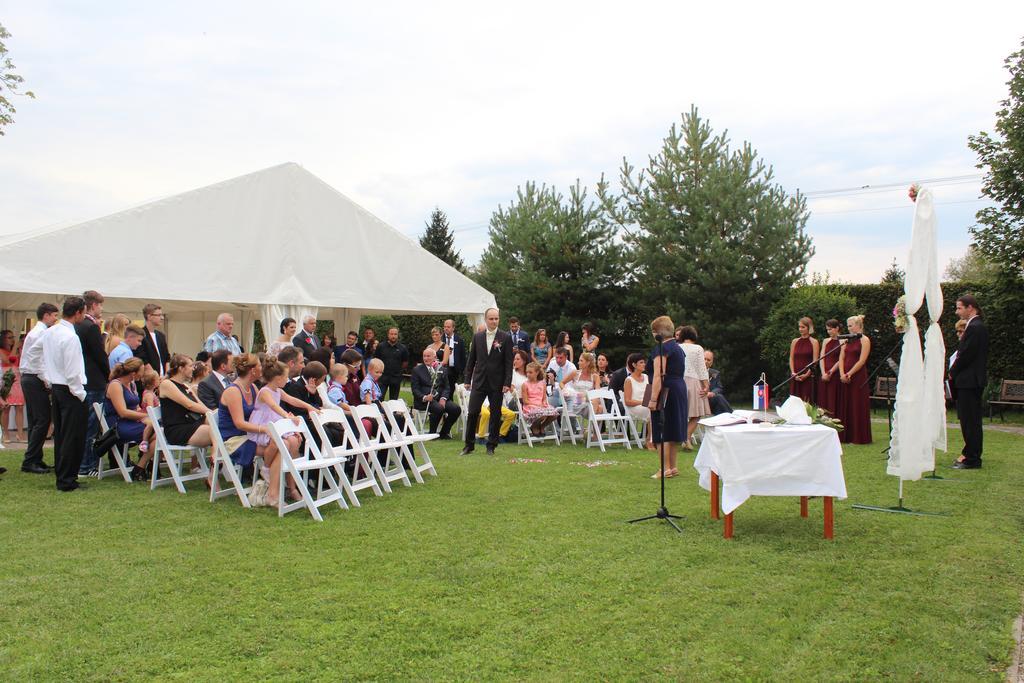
(771, 461)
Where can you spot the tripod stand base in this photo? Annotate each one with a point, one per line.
(938, 477)
(899, 509)
(662, 513)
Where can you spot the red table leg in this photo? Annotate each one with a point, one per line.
(728, 525)
(714, 496)
(803, 506)
(828, 517)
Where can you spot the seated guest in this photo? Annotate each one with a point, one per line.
(537, 412)
(221, 337)
(369, 388)
(716, 392)
(210, 389)
(149, 380)
(602, 369)
(430, 392)
(200, 370)
(562, 367)
(576, 384)
(237, 401)
(125, 348)
(268, 409)
(292, 357)
(441, 351)
(354, 361)
(306, 339)
(303, 389)
(323, 356)
(182, 415)
(115, 334)
(617, 383)
(633, 392)
(287, 328)
(123, 411)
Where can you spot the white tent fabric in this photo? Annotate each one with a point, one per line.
(279, 237)
(919, 420)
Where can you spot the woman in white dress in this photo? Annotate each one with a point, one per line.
(696, 378)
(288, 328)
(633, 392)
(577, 383)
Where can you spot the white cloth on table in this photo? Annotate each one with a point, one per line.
(752, 460)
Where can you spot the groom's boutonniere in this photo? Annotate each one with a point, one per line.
(496, 345)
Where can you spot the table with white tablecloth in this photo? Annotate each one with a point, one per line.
(778, 460)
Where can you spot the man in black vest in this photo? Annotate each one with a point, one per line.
(967, 379)
(489, 367)
(153, 350)
(96, 372)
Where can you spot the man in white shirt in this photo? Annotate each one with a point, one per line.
(64, 371)
(562, 367)
(37, 395)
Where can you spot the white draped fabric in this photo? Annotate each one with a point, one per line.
(919, 420)
(271, 316)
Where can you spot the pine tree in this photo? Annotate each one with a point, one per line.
(716, 242)
(894, 274)
(439, 240)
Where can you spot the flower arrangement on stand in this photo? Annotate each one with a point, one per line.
(899, 315)
(914, 190)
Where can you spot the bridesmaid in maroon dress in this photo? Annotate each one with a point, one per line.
(828, 382)
(802, 352)
(854, 401)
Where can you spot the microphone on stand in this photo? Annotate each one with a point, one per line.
(852, 335)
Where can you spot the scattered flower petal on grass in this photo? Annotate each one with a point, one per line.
(519, 461)
(597, 463)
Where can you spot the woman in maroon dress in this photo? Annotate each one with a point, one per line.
(855, 402)
(828, 382)
(802, 352)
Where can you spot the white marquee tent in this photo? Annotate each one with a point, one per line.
(274, 243)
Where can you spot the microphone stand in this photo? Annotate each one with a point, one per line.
(810, 366)
(888, 399)
(662, 512)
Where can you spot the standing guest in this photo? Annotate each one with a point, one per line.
(967, 378)
(854, 393)
(37, 395)
(123, 411)
(368, 347)
(328, 342)
(668, 423)
(153, 350)
(396, 357)
(537, 412)
(803, 351)
(520, 340)
(589, 340)
(115, 332)
(828, 382)
(562, 342)
(96, 373)
(716, 391)
(540, 349)
(16, 399)
(430, 392)
(210, 389)
(182, 416)
(633, 393)
(489, 367)
(697, 379)
(959, 328)
(284, 340)
(441, 351)
(306, 339)
(221, 337)
(456, 357)
(350, 343)
(64, 371)
(131, 339)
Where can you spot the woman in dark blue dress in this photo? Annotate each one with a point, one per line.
(668, 424)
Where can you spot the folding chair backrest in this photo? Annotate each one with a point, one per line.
(334, 416)
(397, 407)
(370, 412)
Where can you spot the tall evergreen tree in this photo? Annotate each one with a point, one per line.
(555, 262)
(439, 240)
(716, 241)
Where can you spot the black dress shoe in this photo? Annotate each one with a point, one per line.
(466, 450)
(967, 465)
(35, 469)
(490, 450)
(444, 437)
(49, 467)
(73, 487)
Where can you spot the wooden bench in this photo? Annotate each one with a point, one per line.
(885, 389)
(1011, 393)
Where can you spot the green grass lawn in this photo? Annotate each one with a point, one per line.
(501, 570)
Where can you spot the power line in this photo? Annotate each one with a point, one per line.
(864, 189)
(892, 208)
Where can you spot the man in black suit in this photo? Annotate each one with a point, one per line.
(395, 356)
(430, 392)
(213, 385)
(716, 391)
(153, 350)
(457, 357)
(489, 366)
(306, 339)
(967, 380)
(520, 340)
(96, 372)
(616, 382)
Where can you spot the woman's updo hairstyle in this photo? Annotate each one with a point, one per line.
(128, 367)
(688, 333)
(273, 368)
(285, 323)
(178, 361)
(244, 363)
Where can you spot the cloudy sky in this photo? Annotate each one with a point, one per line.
(403, 106)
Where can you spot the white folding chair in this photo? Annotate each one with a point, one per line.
(524, 427)
(617, 424)
(462, 395)
(299, 468)
(119, 451)
(349, 449)
(569, 423)
(175, 458)
(223, 467)
(412, 440)
(392, 470)
(638, 435)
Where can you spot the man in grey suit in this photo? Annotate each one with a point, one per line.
(213, 384)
